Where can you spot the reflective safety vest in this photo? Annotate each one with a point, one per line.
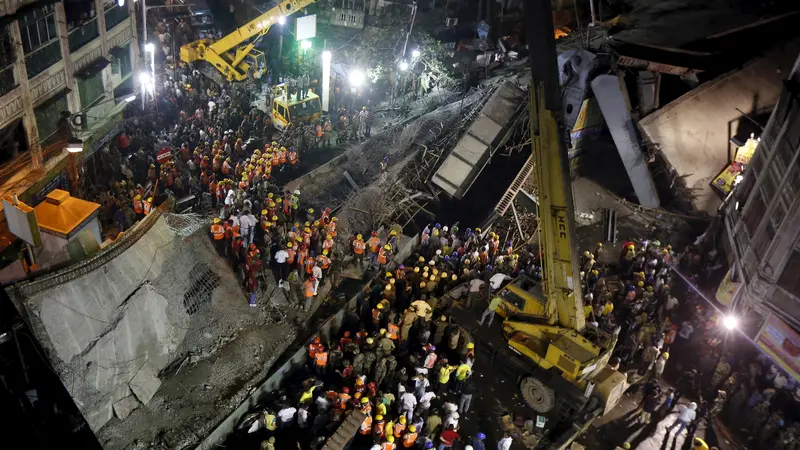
(409, 439)
(292, 157)
(291, 253)
(358, 247)
(218, 232)
(321, 358)
(282, 157)
(382, 256)
(387, 446)
(366, 426)
(378, 428)
(374, 244)
(399, 428)
(392, 331)
(323, 262)
(309, 264)
(309, 289)
(327, 244)
(376, 315)
(270, 421)
(343, 399)
(226, 168)
(275, 158)
(138, 208)
(147, 207)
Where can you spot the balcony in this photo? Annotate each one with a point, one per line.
(115, 16)
(40, 59)
(82, 35)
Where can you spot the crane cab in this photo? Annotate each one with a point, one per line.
(288, 109)
(523, 295)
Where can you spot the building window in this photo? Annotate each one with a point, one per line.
(39, 39)
(49, 115)
(121, 60)
(790, 278)
(83, 34)
(115, 15)
(90, 88)
(756, 212)
(7, 59)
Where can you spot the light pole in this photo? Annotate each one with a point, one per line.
(411, 27)
(326, 79)
(281, 22)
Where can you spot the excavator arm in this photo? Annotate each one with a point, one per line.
(561, 283)
(228, 53)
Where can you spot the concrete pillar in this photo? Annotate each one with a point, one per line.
(28, 117)
(73, 98)
(108, 86)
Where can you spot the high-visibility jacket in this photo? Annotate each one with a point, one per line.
(301, 256)
(226, 168)
(378, 428)
(276, 159)
(399, 428)
(444, 374)
(462, 372)
(313, 349)
(342, 400)
(308, 292)
(409, 439)
(376, 315)
(308, 264)
(366, 426)
(271, 421)
(388, 446)
(382, 256)
(218, 232)
(374, 244)
(323, 262)
(292, 157)
(282, 157)
(138, 207)
(321, 358)
(291, 253)
(319, 130)
(308, 395)
(147, 207)
(392, 331)
(358, 247)
(327, 244)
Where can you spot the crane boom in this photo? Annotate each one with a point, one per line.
(561, 283)
(229, 54)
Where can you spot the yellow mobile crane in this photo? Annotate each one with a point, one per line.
(566, 359)
(235, 55)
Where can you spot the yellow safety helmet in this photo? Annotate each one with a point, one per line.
(311, 210)
(270, 195)
(149, 199)
(388, 274)
(422, 284)
(443, 275)
(379, 417)
(359, 237)
(380, 306)
(325, 252)
(329, 237)
(289, 245)
(454, 277)
(217, 220)
(665, 355)
(390, 438)
(264, 212)
(402, 419)
(387, 247)
(393, 233)
(416, 269)
(365, 399)
(470, 345)
(274, 218)
(138, 197)
(421, 259)
(412, 428)
(391, 281)
(640, 284)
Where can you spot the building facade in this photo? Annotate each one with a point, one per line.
(762, 216)
(56, 60)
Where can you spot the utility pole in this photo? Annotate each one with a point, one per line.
(410, 27)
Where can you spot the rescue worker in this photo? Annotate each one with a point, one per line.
(324, 263)
(374, 245)
(410, 437)
(378, 428)
(308, 293)
(358, 250)
(138, 207)
(377, 316)
(383, 256)
(321, 360)
(218, 234)
(388, 444)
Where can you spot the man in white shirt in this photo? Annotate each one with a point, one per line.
(247, 224)
(474, 294)
(407, 404)
(287, 416)
(281, 256)
(228, 206)
(686, 415)
(497, 280)
(425, 402)
(317, 273)
(505, 443)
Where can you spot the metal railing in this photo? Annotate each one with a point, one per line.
(115, 16)
(43, 57)
(83, 34)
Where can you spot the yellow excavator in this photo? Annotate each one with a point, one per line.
(235, 55)
(566, 359)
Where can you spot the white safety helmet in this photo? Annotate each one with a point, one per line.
(297, 192)
(438, 252)
(445, 229)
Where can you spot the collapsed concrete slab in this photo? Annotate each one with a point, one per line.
(153, 337)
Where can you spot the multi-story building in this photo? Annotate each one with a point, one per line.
(762, 223)
(58, 60)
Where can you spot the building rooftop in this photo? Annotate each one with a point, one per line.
(62, 213)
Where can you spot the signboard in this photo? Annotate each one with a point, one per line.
(727, 289)
(21, 220)
(306, 27)
(164, 155)
(781, 343)
(724, 182)
(745, 153)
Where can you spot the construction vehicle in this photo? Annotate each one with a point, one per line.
(567, 369)
(235, 55)
(287, 108)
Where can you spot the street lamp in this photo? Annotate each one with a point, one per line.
(403, 66)
(730, 322)
(357, 77)
(146, 82)
(415, 53)
(305, 45)
(326, 79)
(130, 98)
(281, 20)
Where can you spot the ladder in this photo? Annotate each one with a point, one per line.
(513, 189)
(345, 432)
